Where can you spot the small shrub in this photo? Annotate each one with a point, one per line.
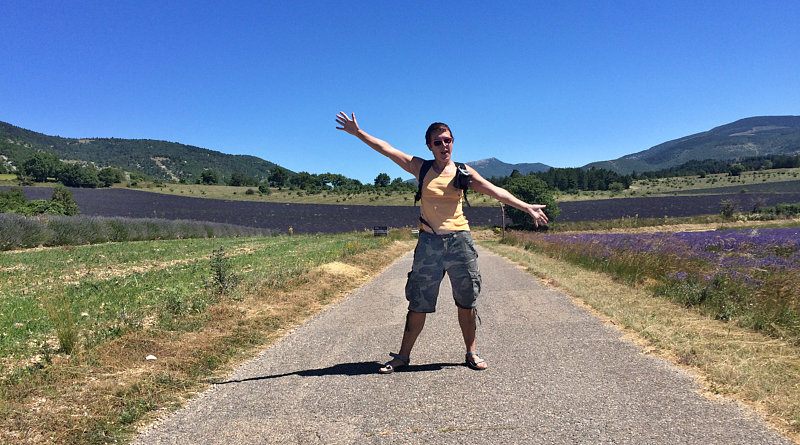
(222, 277)
(728, 208)
(60, 314)
(63, 196)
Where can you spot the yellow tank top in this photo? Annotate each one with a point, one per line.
(441, 204)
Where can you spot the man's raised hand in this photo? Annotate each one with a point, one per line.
(348, 124)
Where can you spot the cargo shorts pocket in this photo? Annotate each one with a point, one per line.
(467, 289)
(416, 297)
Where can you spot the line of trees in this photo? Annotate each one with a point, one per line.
(279, 177)
(716, 166)
(571, 180)
(44, 167)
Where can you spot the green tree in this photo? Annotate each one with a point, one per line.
(616, 187)
(382, 180)
(209, 177)
(41, 166)
(109, 176)
(531, 190)
(305, 181)
(238, 179)
(63, 197)
(73, 175)
(278, 177)
(736, 169)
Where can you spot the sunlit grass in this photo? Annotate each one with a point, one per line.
(77, 322)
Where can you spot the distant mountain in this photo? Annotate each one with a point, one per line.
(157, 159)
(753, 136)
(497, 168)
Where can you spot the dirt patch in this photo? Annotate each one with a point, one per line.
(341, 269)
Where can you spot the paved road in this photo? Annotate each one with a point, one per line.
(557, 375)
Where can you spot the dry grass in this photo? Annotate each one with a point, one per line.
(760, 371)
(102, 394)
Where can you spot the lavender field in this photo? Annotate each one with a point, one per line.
(671, 206)
(331, 218)
(751, 277)
(302, 218)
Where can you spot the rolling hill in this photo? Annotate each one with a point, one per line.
(157, 159)
(494, 167)
(753, 136)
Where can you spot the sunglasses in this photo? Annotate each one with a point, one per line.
(442, 141)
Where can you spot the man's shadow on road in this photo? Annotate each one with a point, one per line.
(348, 369)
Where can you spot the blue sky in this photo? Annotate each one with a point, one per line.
(562, 83)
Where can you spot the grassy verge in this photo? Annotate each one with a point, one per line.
(763, 372)
(78, 324)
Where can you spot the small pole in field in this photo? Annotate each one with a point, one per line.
(503, 217)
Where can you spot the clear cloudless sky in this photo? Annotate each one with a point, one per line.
(564, 83)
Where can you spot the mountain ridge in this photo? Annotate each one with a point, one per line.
(155, 158)
(752, 136)
(490, 167)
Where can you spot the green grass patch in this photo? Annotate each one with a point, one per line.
(108, 289)
(78, 322)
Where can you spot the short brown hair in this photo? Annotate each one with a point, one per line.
(436, 127)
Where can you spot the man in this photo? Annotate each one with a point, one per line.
(445, 243)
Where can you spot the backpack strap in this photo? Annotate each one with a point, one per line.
(426, 165)
(464, 186)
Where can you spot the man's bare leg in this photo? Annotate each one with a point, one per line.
(415, 321)
(466, 319)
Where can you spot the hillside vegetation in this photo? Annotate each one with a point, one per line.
(156, 159)
(754, 136)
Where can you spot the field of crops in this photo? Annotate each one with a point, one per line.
(332, 218)
(751, 277)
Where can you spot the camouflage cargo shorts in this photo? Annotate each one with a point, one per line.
(435, 255)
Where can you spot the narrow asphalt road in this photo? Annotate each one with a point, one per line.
(557, 375)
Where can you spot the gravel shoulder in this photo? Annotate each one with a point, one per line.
(557, 375)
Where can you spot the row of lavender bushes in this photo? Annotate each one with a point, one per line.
(19, 232)
(751, 277)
